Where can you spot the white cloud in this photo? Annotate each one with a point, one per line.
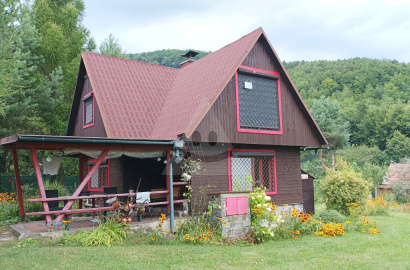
(298, 29)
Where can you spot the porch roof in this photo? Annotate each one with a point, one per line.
(45, 142)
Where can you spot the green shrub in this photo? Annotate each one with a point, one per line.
(401, 190)
(328, 216)
(342, 186)
(107, 234)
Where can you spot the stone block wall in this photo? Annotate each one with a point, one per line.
(236, 226)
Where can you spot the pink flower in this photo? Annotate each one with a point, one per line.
(10, 180)
(219, 207)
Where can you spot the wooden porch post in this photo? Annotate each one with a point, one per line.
(40, 182)
(80, 176)
(82, 185)
(18, 184)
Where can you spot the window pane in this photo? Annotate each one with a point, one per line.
(241, 171)
(88, 111)
(103, 175)
(258, 107)
(249, 172)
(94, 180)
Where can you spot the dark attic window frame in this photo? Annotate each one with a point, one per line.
(86, 102)
(265, 74)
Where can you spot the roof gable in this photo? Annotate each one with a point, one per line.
(141, 100)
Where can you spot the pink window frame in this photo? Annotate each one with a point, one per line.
(84, 99)
(272, 167)
(257, 131)
(109, 174)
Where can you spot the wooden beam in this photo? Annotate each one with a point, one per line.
(82, 185)
(40, 182)
(18, 184)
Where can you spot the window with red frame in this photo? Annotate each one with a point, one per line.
(88, 102)
(101, 178)
(252, 169)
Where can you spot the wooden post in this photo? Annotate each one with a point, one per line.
(82, 185)
(18, 184)
(40, 182)
(80, 176)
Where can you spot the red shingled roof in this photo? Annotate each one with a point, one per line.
(130, 94)
(138, 100)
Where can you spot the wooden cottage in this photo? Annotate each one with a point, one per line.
(237, 109)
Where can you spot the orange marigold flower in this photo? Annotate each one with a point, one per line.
(199, 237)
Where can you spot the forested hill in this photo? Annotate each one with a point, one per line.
(373, 94)
(169, 58)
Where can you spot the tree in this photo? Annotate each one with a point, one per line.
(63, 38)
(334, 128)
(111, 47)
(398, 147)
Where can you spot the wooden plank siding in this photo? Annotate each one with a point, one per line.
(215, 161)
(221, 118)
(98, 129)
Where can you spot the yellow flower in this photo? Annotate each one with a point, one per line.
(363, 231)
(285, 204)
(205, 237)
(199, 237)
(165, 232)
(187, 237)
(51, 226)
(153, 238)
(297, 232)
(208, 233)
(192, 239)
(294, 236)
(348, 222)
(223, 220)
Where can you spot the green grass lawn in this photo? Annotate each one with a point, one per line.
(388, 250)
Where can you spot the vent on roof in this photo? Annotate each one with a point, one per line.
(189, 55)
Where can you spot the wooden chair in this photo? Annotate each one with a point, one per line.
(53, 205)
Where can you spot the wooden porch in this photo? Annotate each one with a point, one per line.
(101, 148)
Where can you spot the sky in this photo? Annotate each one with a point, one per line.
(297, 29)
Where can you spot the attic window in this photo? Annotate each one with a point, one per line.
(258, 101)
(88, 110)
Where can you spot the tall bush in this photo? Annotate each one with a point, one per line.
(342, 185)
